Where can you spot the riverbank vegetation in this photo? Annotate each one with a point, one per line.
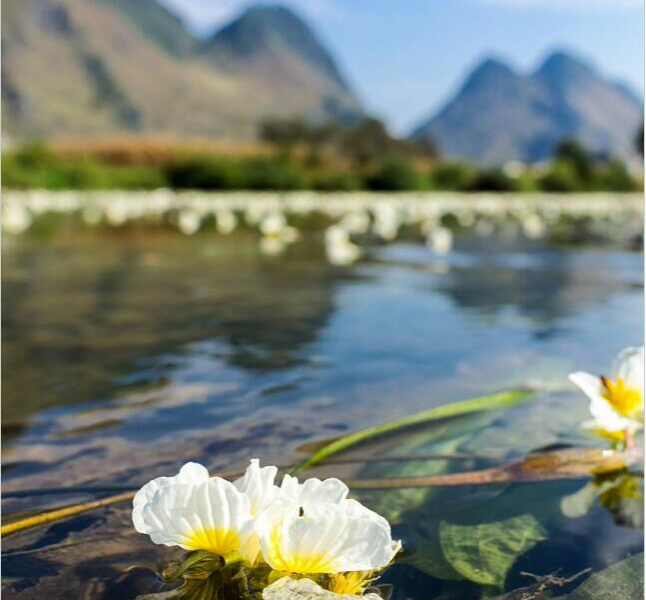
(294, 156)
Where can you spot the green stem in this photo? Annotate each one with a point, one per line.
(488, 402)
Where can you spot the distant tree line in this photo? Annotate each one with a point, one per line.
(322, 157)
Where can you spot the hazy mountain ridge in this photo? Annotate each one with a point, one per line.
(96, 67)
(499, 114)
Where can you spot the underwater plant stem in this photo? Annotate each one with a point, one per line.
(28, 493)
(573, 463)
(481, 403)
(61, 513)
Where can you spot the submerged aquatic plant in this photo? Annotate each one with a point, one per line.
(269, 532)
(616, 400)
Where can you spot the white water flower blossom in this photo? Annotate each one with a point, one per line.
(533, 226)
(258, 484)
(196, 512)
(225, 221)
(323, 537)
(276, 234)
(189, 221)
(330, 490)
(339, 249)
(16, 218)
(440, 240)
(616, 400)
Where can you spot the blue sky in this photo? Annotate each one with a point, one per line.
(406, 57)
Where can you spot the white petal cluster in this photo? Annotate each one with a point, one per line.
(616, 400)
(304, 528)
(360, 215)
(196, 512)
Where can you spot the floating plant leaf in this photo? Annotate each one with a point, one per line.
(484, 553)
(427, 555)
(444, 438)
(624, 580)
(488, 402)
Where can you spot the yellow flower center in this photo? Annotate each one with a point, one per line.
(625, 400)
(214, 539)
(352, 583)
(615, 436)
(297, 562)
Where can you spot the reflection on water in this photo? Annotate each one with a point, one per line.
(126, 354)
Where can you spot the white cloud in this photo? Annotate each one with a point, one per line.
(204, 15)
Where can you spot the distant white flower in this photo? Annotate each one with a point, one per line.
(533, 226)
(16, 218)
(225, 221)
(616, 401)
(440, 240)
(356, 222)
(117, 212)
(339, 249)
(258, 484)
(288, 588)
(196, 512)
(386, 221)
(275, 225)
(276, 233)
(189, 221)
(321, 537)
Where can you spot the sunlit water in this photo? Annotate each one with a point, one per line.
(128, 353)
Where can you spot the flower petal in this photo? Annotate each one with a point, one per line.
(189, 473)
(314, 490)
(323, 537)
(591, 385)
(629, 366)
(258, 484)
(211, 515)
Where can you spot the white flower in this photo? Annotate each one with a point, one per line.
(616, 401)
(287, 588)
(274, 225)
(330, 490)
(189, 221)
(196, 512)
(440, 240)
(339, 249)
(323, 537)
(258, 484)
(16, 218)
(225, 221)
(190, 473)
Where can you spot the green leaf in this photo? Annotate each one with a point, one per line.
(484, 553)
(488, 402)
(192, 561)
(623, 580)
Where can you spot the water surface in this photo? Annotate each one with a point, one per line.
(127, 353)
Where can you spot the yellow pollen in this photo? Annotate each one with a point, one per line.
(352, 583)
(625, 400)
(215, 539)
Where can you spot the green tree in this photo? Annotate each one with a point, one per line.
(396, 173)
